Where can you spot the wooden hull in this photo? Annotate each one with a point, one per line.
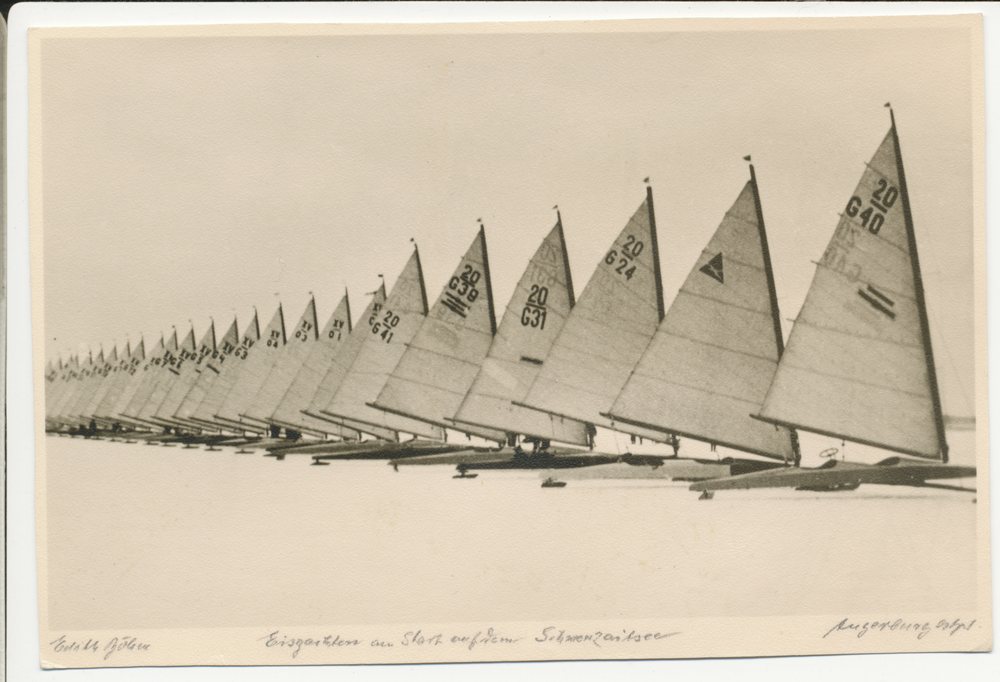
(835, 475)
(372, 449)
(471, 459)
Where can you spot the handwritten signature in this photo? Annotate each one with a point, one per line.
(115, 644)
(920, 628)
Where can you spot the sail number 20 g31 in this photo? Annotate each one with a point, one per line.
(534, 309)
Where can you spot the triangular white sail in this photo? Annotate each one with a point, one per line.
(212, 368)
(70, 374)
(110, 373)
(140, 388)
(608, 329)
(714, 355)
(80, 375)
(93, 377)
(288, 413)
(441, 361)
(858, 365)
(229, 372)
(534, 317)
(108, 409)
(254, 371)
(70, 386)
(190, 373)
(385, 337)
(52, 387)
(304, 338)
(152, 371)
(173, 370)
(286, 364)
(56, 382)
(325, 369)
(139, 378)
(127, 364)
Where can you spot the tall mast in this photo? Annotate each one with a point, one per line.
(312, 300)
(565, 257)
(489, 284)
(347, 303)
(918, 285)
(772, 291)
(420, 278)
(656, 253)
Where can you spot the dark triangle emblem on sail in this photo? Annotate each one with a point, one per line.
(713, 357)
(713, 268)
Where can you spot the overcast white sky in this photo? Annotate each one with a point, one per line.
(189, 177)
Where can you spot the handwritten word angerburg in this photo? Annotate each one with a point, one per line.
(920, 628)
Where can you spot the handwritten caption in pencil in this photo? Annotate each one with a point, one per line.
(115, 645)
(488, 638)
(919, 628)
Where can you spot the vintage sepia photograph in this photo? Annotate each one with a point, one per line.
(402, 343)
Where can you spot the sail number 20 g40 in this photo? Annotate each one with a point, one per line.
(881, 201)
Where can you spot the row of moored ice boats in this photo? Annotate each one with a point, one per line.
(712, 367)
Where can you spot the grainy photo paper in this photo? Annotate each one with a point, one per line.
(503, 342)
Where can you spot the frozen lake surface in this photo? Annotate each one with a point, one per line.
(231, 540)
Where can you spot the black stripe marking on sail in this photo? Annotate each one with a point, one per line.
(455, 304)
(881, 295)
(878, 304)
(534, 361)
